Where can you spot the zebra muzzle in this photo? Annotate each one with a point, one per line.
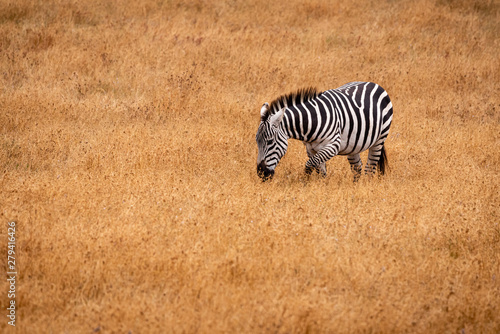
(263, 172)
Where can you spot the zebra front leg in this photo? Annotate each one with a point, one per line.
(318, 160)
(356, 165)
(321, 169)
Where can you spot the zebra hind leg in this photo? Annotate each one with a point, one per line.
(356, 165)
(377, 160)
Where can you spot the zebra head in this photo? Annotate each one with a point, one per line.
(272, 141)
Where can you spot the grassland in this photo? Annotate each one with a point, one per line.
(128, 161)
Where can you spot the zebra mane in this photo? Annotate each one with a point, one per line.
(292, 99)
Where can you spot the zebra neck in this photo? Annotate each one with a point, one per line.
(308, 124)
(292, 123)
(286, 125)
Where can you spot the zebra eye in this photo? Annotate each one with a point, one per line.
(269, 142)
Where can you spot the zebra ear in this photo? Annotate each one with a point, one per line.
(278, 117)
(263, 111)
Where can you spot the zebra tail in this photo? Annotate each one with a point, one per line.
(382, 162)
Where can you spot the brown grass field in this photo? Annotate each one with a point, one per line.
(128, 162)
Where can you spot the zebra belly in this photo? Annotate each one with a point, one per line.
(347, 148)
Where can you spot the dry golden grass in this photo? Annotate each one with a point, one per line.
(128, 161)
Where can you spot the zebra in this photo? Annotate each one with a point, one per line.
(343, 121)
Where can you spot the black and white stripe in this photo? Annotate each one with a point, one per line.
(343, 121)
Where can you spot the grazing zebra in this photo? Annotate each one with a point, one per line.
(343, 121)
